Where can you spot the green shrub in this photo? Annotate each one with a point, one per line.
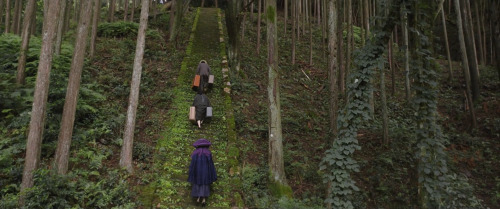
(71, 191)
(121, 29)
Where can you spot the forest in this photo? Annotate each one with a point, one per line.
(316, 103)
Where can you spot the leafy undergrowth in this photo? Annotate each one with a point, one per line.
(94, 179)
(388, 171)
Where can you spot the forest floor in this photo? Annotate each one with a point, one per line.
(174, 147)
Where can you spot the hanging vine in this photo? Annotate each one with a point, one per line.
(338, 163)
(437, 187)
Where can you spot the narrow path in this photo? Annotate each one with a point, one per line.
(175, 146)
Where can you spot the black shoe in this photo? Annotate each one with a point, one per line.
(203, 204)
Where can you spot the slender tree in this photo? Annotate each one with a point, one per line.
(391, 64)
(465, 62)
(340, 38)
(71, 100)
(259, 13)
(2, 8)
(478, 32)
(60, 28)
(7, 16)
(333, 68)
(128, 136)
(243, 22)
(333, 71)
(339, 163)
(450, 67)
(233, 23)
(34, 141)
(15, 17)
(349, 39)
(111, 13)
(310, 42)
(471, 52)
(134, 5)
(125, 10)
(286, 16)
(276, 163)
(67, 18)
(25, 35)
(407, 56)
(496, 35)
(294, 15)
(172, 17)
(95, 21)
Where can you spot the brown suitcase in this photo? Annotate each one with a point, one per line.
(196, 82)
(192, 113)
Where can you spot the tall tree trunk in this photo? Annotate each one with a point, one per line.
(243, 23)
(67, 18)
(154, 5)
(367, 18)
(125, 10)
(332, 72)
(310, 41)
(276, 163)
(2, 9)
(71, 100)
(318, 10)
(60, 27)
(333, 67)
(172, 17)
(496, 35)
(34, 141)
(450, 67)
(134, 5)
(469, 42)
(478, 33)
(111, 14)
(128, 135)
(286, 17)
(340, 34)
(383, 99)
(473, 38)
(465, 62)
(18, 21)
(391, 65)
(216, 4)
(324, 25)
(15, 17)
(25, 35)
(298, 10)
(179, 8)
(95, 21)
(7, 16)
(33, 21)
(252, 5)
(407, 57)
(259, 9)
(76, 13)
(233, 25)
(362, 24)
(294, 16)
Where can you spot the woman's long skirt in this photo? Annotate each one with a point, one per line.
(200, 190)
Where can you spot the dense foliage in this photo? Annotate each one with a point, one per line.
(95, 121)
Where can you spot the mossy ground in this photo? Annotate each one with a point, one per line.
(175, 143)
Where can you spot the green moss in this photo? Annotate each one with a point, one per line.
(278, 189)
(148, 196)
(271, 13)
